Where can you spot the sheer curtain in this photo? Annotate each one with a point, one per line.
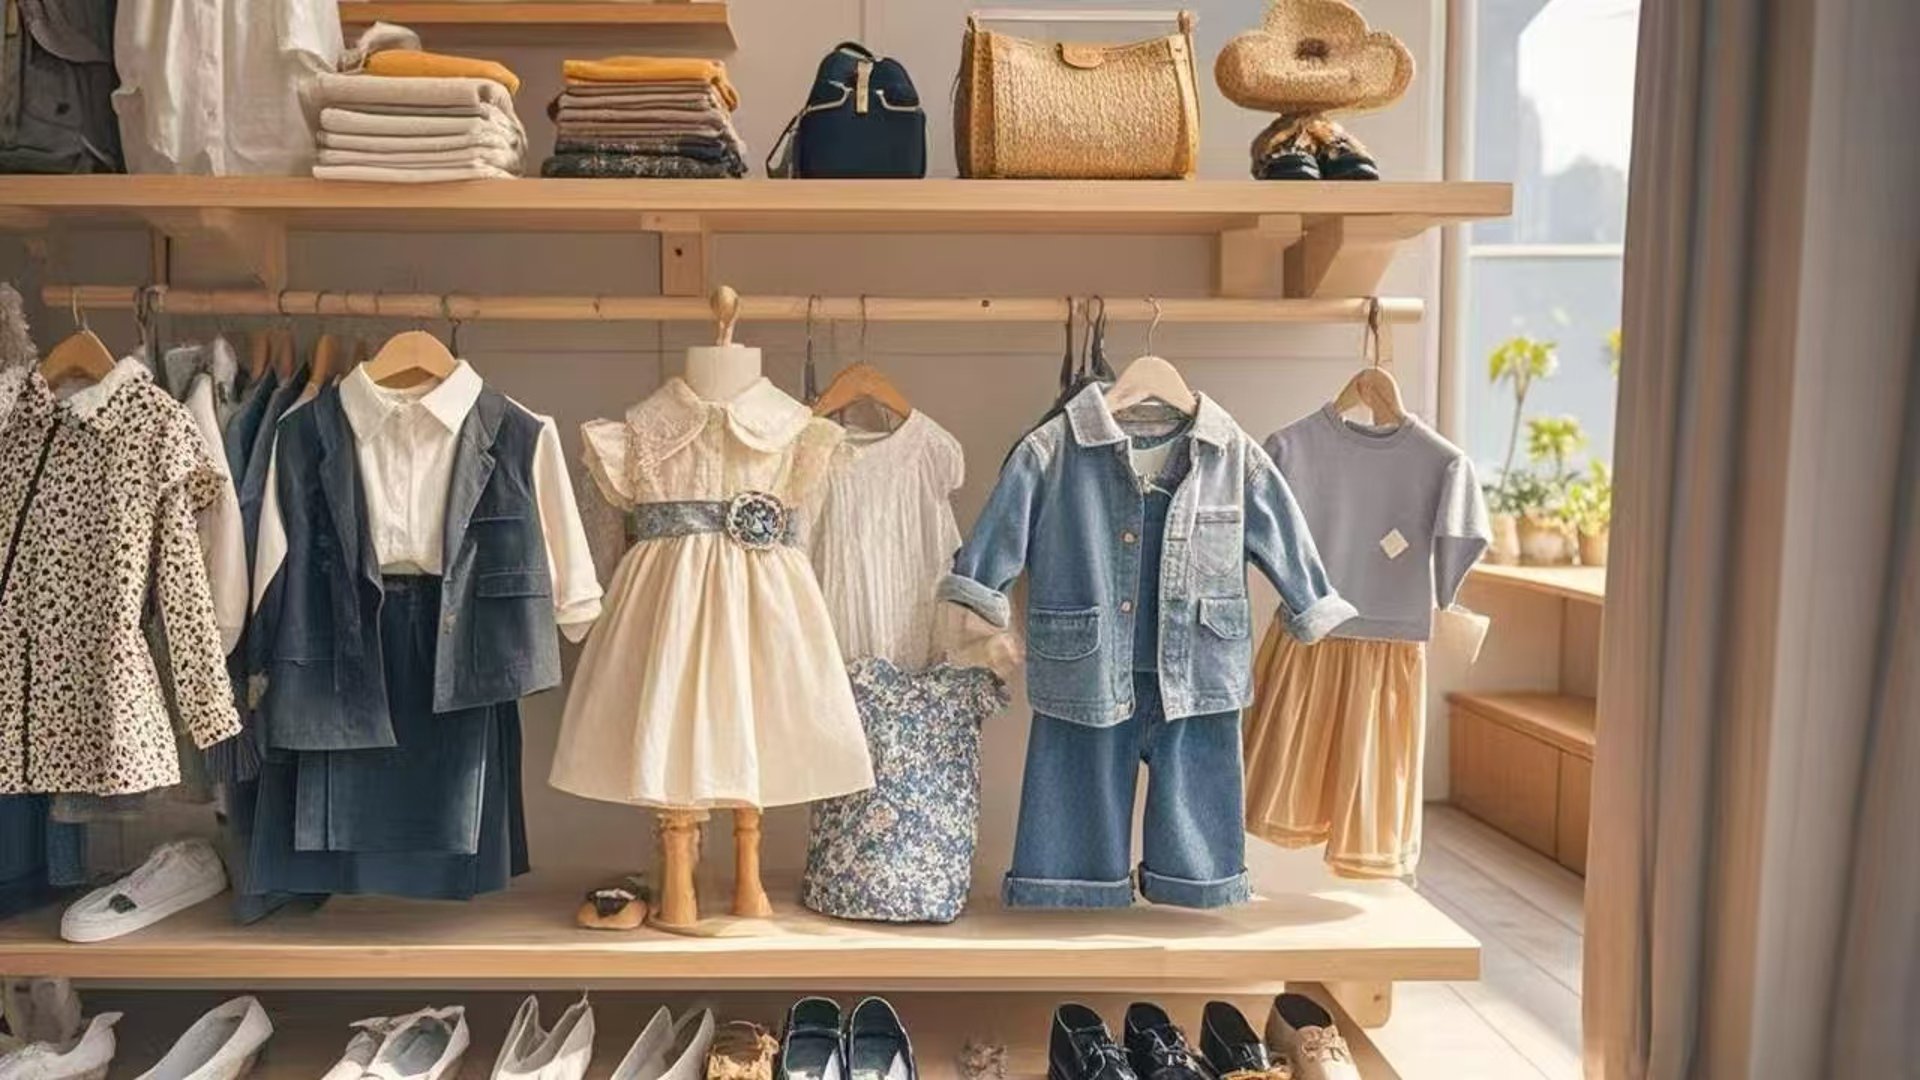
(1753, 890)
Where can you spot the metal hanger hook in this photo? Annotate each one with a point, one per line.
(74, 309)
(453, 324)
(1154, 325)
(1374, 329)
(863, 328)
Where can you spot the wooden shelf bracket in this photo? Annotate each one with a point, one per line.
(255, 243)
(1348, 255)
(1249, 261)
(685, 245)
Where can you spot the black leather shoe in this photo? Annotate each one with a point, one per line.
(1232, 1049)
(1081, 1048)
(1157, 1049)
(1285, 150)
(1343, 158)
(810, 1047)
(877, 1046)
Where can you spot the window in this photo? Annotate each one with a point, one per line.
(1552, 111)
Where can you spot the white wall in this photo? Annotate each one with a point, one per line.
(986, 384)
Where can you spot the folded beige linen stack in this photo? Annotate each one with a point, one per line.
(412, 129)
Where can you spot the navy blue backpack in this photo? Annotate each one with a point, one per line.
(862, 121)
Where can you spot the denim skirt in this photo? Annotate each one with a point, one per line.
(437, 816)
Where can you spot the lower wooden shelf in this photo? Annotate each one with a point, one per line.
(1334, 931)
(1523, 763)
(311, 1027)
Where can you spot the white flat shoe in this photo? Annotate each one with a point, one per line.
(367, 1037)
(669, 1050)
(533, 1054)
(425, 1045)
(221, 1045)
(175, 877)
(85, 1058)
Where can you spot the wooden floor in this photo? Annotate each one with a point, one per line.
(1522, 1018)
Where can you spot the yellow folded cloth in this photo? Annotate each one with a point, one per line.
(645, 69)
(412, 63)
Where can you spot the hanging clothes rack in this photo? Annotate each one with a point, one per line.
(463, 307)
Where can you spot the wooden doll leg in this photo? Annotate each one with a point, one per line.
(749, 895)
(679, 906)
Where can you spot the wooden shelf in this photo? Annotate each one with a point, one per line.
(1564, 721)
(525, 937)
(1583, 584)
(779, 206)
(704, 26)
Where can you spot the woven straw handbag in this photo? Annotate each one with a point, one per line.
(1026, 109)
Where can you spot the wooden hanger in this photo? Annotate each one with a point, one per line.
(327, 352)
(81, 355)
(259, 351)
(861, 381)
(1374, 385)
(410, 358)
(1151, 378)
(284, 360)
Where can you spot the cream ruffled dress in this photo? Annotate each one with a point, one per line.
(713, 677)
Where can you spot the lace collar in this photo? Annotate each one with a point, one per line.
(761, 416)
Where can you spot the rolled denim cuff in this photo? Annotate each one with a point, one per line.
(1187, 893)
(1319, 618)
(1019, 892)
(990, 604)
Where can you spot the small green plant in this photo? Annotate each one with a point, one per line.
(1554, 440)
(1613, 351)
(1520, 362)
(1588, 504)
(1524, 493)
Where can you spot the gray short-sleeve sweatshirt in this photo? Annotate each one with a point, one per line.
(1396, 513)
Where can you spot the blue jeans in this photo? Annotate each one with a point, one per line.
(1074, 847)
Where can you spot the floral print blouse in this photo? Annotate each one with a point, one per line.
(98, 494)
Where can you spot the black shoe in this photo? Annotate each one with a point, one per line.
(1343, 158)
(1230, 1046)
(810, 1047)
(877, 1047)
(1156, 1049)
(1285, 151)
(1081, 1048)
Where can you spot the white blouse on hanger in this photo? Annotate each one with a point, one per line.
(885, 536)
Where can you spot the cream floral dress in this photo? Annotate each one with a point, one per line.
(713, 677)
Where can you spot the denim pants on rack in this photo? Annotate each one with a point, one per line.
(1074, 847)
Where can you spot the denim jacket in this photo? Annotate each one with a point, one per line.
(1068, 509)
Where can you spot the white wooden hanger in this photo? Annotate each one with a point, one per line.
(1374, 385)
(1151, 378)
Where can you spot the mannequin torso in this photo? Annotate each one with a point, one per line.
(721, 372)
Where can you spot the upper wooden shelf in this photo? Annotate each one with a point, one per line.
(934, 206)
(704, 26)
(1582, 584)
(1332, 930)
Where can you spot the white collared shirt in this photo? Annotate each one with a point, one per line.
(405, 442)
(214, 87)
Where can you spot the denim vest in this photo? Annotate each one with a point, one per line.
(1068, 510)
(319, 638)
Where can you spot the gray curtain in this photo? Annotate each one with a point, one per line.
(1753, 890)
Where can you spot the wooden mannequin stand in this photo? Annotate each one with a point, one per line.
(716, 373)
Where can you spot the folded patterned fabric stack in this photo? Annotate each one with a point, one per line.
(641, 116)
(401, 115)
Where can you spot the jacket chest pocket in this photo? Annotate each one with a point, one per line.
(1218, 548)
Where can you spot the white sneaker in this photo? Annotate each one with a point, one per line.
(533, 1054)
(425, 1045)
(85, 1058)
(669, 1050)
(175, 877)
(221, 1045)
(39, 1011)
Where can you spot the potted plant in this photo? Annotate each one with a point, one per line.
(1552, 442)
(1589, 509)
(1518, 362)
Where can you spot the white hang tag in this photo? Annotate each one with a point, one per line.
(1393, 544)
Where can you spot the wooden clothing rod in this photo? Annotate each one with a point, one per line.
(464, 307)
